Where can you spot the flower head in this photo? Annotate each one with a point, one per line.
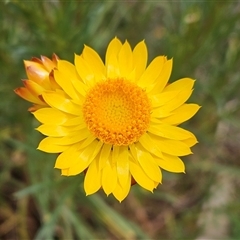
(40, 78)
(118, 121)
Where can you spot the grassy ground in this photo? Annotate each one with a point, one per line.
(203, 39)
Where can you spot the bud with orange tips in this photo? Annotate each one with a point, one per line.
(40, 78)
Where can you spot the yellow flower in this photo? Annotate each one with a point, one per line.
(40, 78)
(118, 121)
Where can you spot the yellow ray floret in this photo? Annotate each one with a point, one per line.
(115, 121)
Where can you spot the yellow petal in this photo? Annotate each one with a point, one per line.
(163, 98)
(131, 76)
(67, 158)
(171, 163)
(83, 158)
(75, 129)
(147, 142)
(113, 49)
(148, 164)
(53, 130)
(121, 192)
(109, 178)
(162, 79)
(93, 60)
(64, 172)
(133, 151)
(155, 120)
(75, 156)
(72, 138)
(81, 88)
(160, 113)
(84, 70)
(92, 180)
(181, 114)
(190, 141)
(181, 84)
(69, 70)
(140, 176)
(140, 56)
(112, 67)
(125, 60)
(123, 166)
(97, 149)
(75, 121)
(156, 184)
(176, 102)
(104, 155)
(152, 72)
(59, 101)
(48, 145)
(88, 141)
(65, 82)
(168, 131)
(172, 147)
(51, 116)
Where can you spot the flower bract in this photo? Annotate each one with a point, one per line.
(116, 121)
(40, 78)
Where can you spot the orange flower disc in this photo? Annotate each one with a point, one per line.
(117, 112)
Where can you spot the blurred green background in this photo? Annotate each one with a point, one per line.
(203, 37)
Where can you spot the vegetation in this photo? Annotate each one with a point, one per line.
(203, 39)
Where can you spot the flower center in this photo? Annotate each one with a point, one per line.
(117, 112)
